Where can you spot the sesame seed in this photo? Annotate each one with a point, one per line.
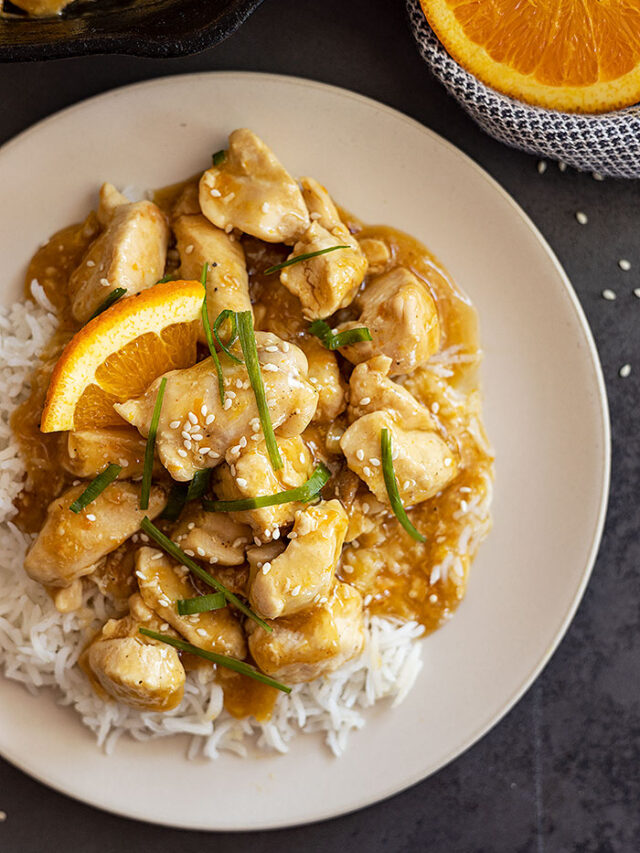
(158, 556)
(435, 408)
(187, 426)
(365, 401)
(213, 560)
(582, 217)
(90, 516)
(203, 410)
(229, 197)
(200, 552)
(608, 294)
(302, 459)
(360, 455)
(204, 450)
(104, 281)
(241, 482)
(187, 444)
(215, 193)
(210, 419)
(140, 575)
(465, 489)
(375, 461)
(232, 394)
(213, 454)
(186, 435)
(144, 537)
(91, 263)
(257, 541)
(189, 552)
(271, 348)
(189, 249)
(624, 264)
(191, 525)
(182, 452)
(228, 228)
(270, 368)
(164, 626)
(192, 418)
(542, 167)
(562, 166)
(464, 506)
(197, 436)
(296, 590)
(293, 535)
(406, 484)
(243, 442)
(597, 176)
(367, 471)
(433, 598)
(636, 292)
(448, 462)
(624, 371)
(227, 404)
(201, 632)
(265, 568)
(276, 533)
(285, 346)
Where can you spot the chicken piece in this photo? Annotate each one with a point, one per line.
(312, 643)
(130, 253)
(109, 199)
(69, 544)
(377, 253)
(371, 390)
(163, 583)
(252, 191)
(132, 668)
(402, 317)
(325, 376)
(305, 571)
(249, 474)
(185, 447)
(87, 452)
(422, 461)
(212, 536)
(200, 242)
(329, 281)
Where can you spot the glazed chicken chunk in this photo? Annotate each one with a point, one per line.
(130, 252)
(314, 642)
(162, 584)
(196, 430)
(212, 537)
(325, 376)
(249, 474)
(422, 461)
(87, 452)
(70, 544)
(200, 242)
(371, 390)
(304, 573)
(135, 669)
(402, 317)
(252, 191)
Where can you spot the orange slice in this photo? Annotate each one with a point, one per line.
(570, 55)
(117, 355)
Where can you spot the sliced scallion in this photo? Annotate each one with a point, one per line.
(244, 322)
(201, 604)
(321, 329)
(306, 492)
(108, 302)
(149, 451)
(209, 335)
(305, 257)
(165, 278)
(175, 502)
(219, 157)
(222, 660)
(230, 315)
(391, 483)
(96, 487)
(199, 485)
(178, 554)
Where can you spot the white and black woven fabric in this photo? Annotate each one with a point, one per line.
(608, 143)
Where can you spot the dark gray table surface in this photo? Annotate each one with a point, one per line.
(562, 771)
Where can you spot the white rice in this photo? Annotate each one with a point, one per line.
(39, 647)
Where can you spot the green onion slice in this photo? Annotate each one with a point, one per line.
(96, 487)
(147, 470)
(392, 486)
(108, 302)
(230, 315)
(165, 278)
(321, 329)
(219, 157)
(201, 603)
(175, 502)
(306, 492)
(305, 257)
(199, 485)
(244, 322)
(222, 660)
(178, 554)
(209, 335)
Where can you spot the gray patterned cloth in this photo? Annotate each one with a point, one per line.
(608, 144)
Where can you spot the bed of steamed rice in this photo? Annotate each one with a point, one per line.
(39, 647)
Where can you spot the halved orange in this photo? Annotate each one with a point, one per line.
(117, 355)
(569, 55)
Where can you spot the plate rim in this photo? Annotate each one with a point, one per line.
(605, 461)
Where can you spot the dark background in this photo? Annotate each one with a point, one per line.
(562, 771)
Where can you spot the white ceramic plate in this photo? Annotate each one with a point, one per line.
(546, 414)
